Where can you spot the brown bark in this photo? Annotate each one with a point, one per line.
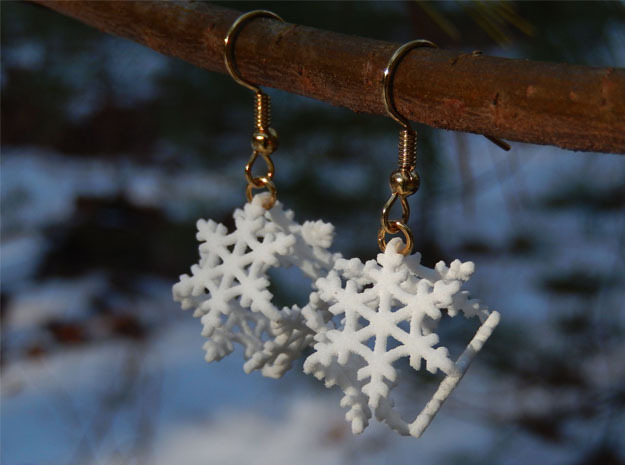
(569, 106)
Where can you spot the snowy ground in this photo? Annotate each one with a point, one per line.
(198, 414)
(157, 402)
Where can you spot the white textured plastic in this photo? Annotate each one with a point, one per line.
(227, 289)
(395, 301)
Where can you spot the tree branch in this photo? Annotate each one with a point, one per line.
(569, 106)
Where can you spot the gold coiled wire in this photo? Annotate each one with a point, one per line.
(262, 111)
(407, 159)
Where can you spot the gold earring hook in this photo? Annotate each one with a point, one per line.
(404, 180)
(264, 138)
(230, 39)
(387, 88)
(389, 74)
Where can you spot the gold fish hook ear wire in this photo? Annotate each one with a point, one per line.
(264, 138)
(404, 180)
(389, 73)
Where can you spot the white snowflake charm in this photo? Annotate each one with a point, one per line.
(228, 287)
(395, 303)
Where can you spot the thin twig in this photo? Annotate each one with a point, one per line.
(569, 106)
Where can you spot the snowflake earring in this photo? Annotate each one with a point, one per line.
(228, 288)
(388, 309)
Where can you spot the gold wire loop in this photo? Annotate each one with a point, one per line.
(390, 226)
(230, 39)
(256, 181)
(265, 183)
(408, 238)
(264, 138)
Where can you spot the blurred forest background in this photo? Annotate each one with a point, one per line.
(110, 153)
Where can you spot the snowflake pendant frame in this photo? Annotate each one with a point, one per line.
(366, 375)
(228, 287)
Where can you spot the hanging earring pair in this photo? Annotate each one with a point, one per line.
(361, 318)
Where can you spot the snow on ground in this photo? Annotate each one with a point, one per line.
(55, 181)
(205, 414)
(157, 400)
